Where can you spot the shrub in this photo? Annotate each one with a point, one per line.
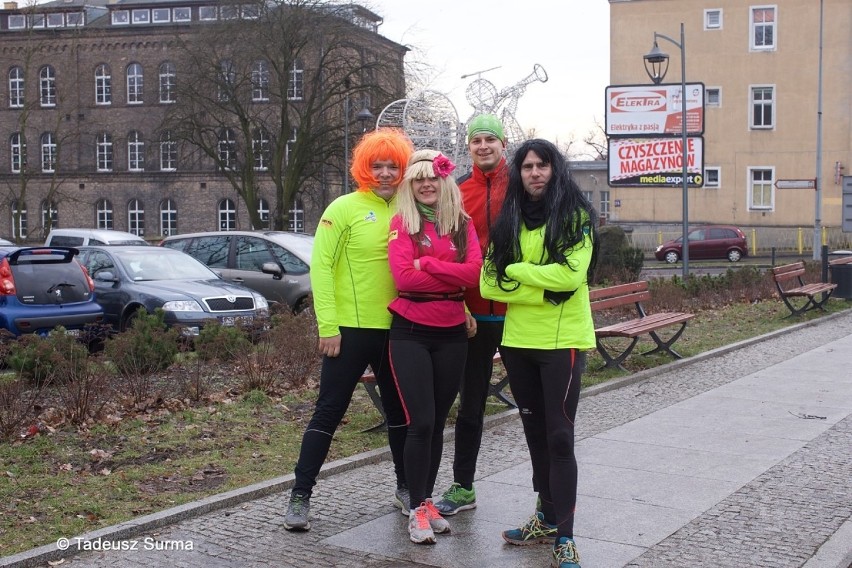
(17, 400)
(85, 392)
(216, 342)
(617, 261)
(59, 356)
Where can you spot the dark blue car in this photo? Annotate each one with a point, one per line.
(45, 287)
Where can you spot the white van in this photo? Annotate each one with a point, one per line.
(84, 237)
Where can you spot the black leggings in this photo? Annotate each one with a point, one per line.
(428, 363)
(359, 347)
(546, 387)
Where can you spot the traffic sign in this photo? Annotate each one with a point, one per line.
(795, 184)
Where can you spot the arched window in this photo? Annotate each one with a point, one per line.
(49, 216)
(103, 145)
(260, 81)
(168, 152)
(134, 84)
(136, 218)
(103, 214)
(103, 85)
(19, 219)
(263, 213)
(227, 149)
(260, 149)
(48, 152)
(168, 82)
(47, 86)
(168, 217)
(227, 215)
(135, 152)
(18, 151)
(16, 87)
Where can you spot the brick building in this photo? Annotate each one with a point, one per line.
(90, 85)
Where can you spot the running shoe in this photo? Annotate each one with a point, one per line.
(297, 513)
(419, 529)
(438, 523)
(401, 499)
(565, 554)
(456, 499)
(534, 531)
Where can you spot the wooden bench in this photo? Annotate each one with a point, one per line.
(646, 324)
(368, 379)
(787, 273)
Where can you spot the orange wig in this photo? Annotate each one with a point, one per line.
(381, 144)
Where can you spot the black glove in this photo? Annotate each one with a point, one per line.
(557, 298)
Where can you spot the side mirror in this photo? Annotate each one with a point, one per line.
(273, 269)
(105, 276)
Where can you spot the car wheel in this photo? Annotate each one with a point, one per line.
(734, 255)
(127, 320)
(303, 306)
(672, 257)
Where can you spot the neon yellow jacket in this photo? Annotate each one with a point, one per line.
(532, 321)
(350, 275)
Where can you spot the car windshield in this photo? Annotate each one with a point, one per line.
(156, 264)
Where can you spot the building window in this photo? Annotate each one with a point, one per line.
(103, 85)
(38, 21)
(260, 81)
(604, 208)
(227, 215)
(48, 153)
(141, 16)
(56, 20)
(297, 216)
(103, 213)
(168, 218)
(263, 213)
(290, 143)
(47, 86)
(713, 96)
(136, 218)
(75, 19)
(763, 28)
(206, 13)
(135, 83)
(135, 152)
(19, 220)
(250, 11)
(295, 87)
(16, 87)
(181, 15)
(260, 149)
(713, 19)
(17, 21)
(588, 195)
(168, 82)
(762, 107)
(120, 17)
(712, 177)
(229, 12)
(161, 15)
(227, 149)
(761, 188)
(104, 152)
(168, 152)
(18, 151)
(49, 216)
(227, 79)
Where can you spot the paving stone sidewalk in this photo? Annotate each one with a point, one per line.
(739, 457)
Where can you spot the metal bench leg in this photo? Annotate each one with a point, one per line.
(666, 345)
(797, 311)
(373, 393)
(496, 390)
(609, 360)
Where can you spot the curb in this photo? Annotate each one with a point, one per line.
(147, 523)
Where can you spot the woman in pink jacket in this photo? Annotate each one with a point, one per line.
(434, 255)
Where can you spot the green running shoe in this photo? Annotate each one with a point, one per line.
(534, 531)
(456, 499)
(565, 554)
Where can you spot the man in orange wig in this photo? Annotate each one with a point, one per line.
(352, 287)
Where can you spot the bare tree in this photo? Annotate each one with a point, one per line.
(264, 98)
(596, 140)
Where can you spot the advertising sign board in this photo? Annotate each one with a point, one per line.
(647, 162)
(652, 110)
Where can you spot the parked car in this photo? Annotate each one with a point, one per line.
(274, 263)
(45, 287)
(127, 278)
(86, 237)
(713, 241)
(6, 243)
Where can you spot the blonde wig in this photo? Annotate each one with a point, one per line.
(381, 144)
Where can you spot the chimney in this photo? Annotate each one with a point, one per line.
(10, 5)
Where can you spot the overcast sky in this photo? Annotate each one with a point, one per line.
(569, 39)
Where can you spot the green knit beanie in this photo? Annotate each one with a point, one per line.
(487, 123)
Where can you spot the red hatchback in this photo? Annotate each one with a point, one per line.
(712, 241)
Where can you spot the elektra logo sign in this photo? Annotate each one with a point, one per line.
(638, 101)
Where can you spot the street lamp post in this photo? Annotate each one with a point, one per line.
(656, 65)
(364, 115)
(818, 179)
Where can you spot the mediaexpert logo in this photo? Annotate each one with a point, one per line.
(638, 101)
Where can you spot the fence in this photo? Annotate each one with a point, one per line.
(761, 240)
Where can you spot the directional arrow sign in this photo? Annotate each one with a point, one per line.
(795, 184)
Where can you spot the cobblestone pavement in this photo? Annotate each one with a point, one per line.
(782, 517)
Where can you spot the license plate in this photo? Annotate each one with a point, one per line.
(231, 321)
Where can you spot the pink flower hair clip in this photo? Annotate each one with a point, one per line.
(442, 166)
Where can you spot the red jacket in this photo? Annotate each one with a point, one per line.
(482, 196)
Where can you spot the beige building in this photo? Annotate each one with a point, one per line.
(759, 63)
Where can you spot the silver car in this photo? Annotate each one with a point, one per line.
(274, 263)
